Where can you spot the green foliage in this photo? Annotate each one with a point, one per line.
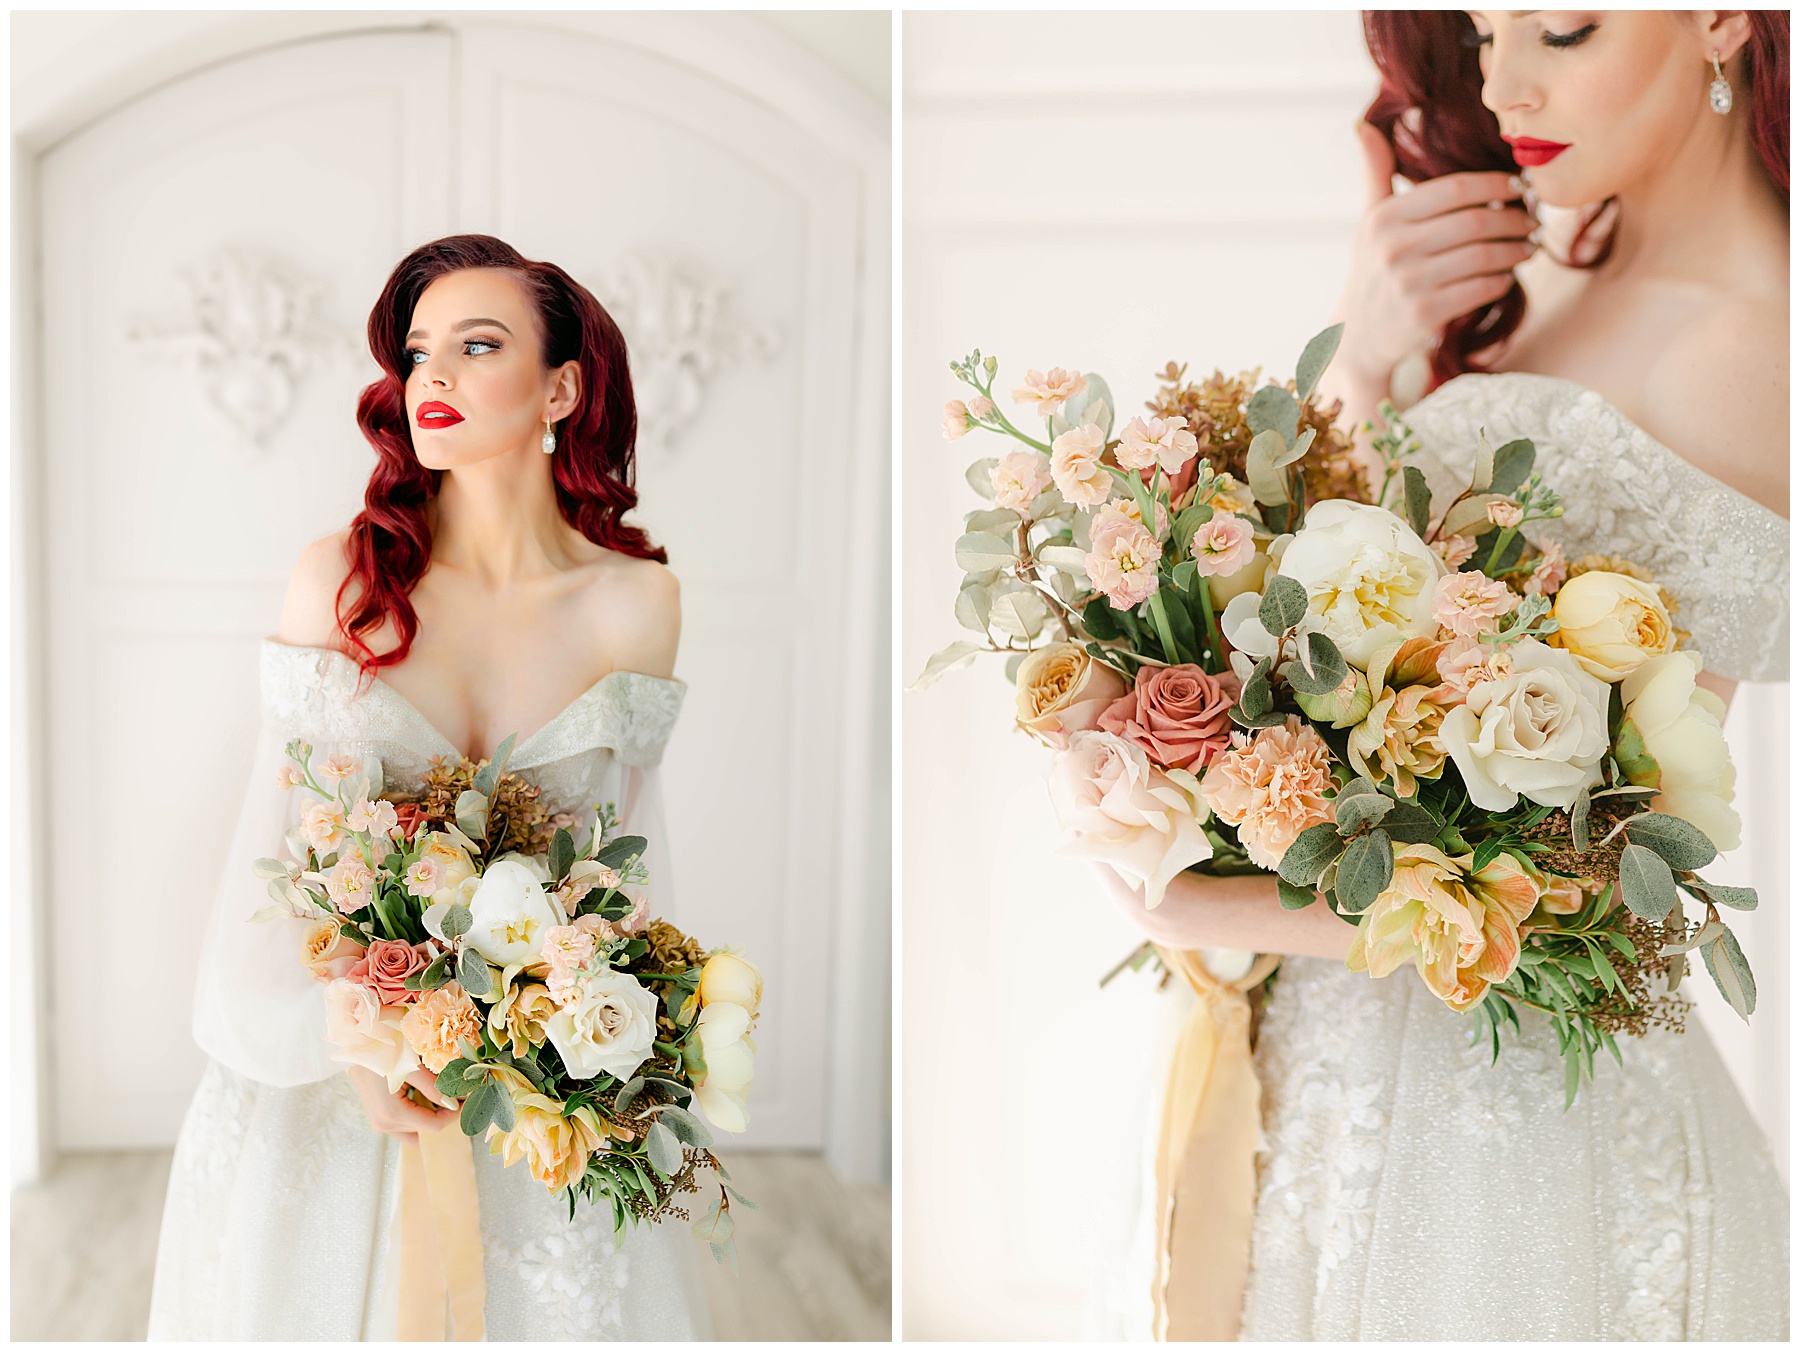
(1283, 605)
(1512, 463)
(1645, 883)
(1418, 499)
(1314, 358)
(1329, 670)
(1312, 850)
(1364, 870)
(1679, 843)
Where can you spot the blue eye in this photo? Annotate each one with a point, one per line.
(481, 342)
(414, 356)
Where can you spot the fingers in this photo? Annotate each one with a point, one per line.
(1470, 260)
(1452, 192)
(1378, 163)
(1467, 226)
(426, 1083)
(1458, 299)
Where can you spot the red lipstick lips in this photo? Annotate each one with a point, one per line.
(1529, 152)
(433, 414)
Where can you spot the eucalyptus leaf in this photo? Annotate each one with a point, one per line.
(478, 1108)
(1681, 844)
(1645, 883)
(472, 973)
(562, 855)
(1418, 499)
(685, 1125)
(1578, 819)
(1267, 483)
(972, 606)
(502, 1111)
(1360, 810)
(1294, 898)
(1706, 934)
(456, 922)
(1284, 606)
(1071, 560)
(1470, 516)
(1019, 611)
(1314, 358)
(1273, 409)
(979, 476)
(1365, 869)
(1730, 972)
(981, 552)
(1736, 898)
(621, 850)
(1001, 521)
(664, 1150)
(1328, 667)
(1296, 450)
(946, 660)
(1304, 862)
(1512, 465)
(1482, 478)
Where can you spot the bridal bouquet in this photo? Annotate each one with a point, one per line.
(1491, 759)
(467, 932)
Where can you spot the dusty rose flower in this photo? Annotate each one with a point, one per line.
(1156, 441)
(1179, 716)
(1061, 691)
(1454, 550)
(438, 1022)
(1505, 514)
(1467, 604)
(1125, 812)
(1466, 663)
(1075, 465)
(374, 817)
(1046, 393)
(408, 817)
(1272, 787)
(1018, 479)
(1458, 927)
(981, 407)
(340, 767)
(956, 420)
(555, 1148)
(386, 964)
(423, 877)
(322, 825)
(287, 777)
(327, 951)
(1223, 546)
(1551, 571)
(350, 883)
(1122, 562)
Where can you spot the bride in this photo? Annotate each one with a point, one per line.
(1408, 1189)
(488, 587)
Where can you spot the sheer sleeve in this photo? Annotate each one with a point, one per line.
(256, 1008)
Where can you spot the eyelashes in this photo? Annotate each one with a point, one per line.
(413, 354)
(1470, 38)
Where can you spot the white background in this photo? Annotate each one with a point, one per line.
(155, 547)
(1105, 193)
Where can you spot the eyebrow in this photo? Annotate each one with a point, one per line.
(466, 324)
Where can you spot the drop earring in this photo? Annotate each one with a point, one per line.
(549, 441)
(1718, 94)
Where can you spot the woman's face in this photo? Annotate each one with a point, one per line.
(1622, 91)
(477, 387)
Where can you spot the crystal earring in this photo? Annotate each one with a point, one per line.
(1718, 94)
(549, 441)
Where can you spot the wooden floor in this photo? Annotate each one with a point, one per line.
(814, 1259)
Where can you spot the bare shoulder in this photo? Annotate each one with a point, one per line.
(1718, 395)
(634, 607)
(309, 610)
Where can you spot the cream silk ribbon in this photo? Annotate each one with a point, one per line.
(440, 1240)
(1206, 1158)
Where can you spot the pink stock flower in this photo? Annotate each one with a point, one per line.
(1018, 479)
(1223, 545)
(340, 767)
(1272, 787)
(1046, 393)
(1156, 441)
(1123, 561)
(1128, 508)
(956, 420)
(1505, 514)
(1551, 572)
(1454, 550)
(634, 921)
(386, 964)
(1075, 465)
(1179, 715)
(1465, 663)
(322, 825)
(567, 948)
(1467, 604)
(287, 777)
(375, 817)
(423, 877)
(981, 407)
(350, 883)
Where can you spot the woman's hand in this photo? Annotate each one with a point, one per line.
(1243, 912)
(397, 1115)
(1419, 260)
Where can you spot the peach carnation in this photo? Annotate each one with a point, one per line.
(1075, 465)
(1046, 393)
(1122, 562)
(1271, 787)
(1467, 604)
(441, 1020)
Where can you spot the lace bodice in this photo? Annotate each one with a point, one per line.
(625, 718)
(1722, 555)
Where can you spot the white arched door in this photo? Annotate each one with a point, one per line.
(210, 251)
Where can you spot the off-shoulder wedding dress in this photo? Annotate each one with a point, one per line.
(282, 1198)
(1411, 1190)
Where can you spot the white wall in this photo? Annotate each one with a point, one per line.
(1103, 192)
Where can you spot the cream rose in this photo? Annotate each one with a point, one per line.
(327, 951)
(1061, 690)
(1370, 581)
(730, 980)
(1612, 623)
(364, 1032)
(609, 1026)
(730, 1056)
(1539, 731)
(509, 914)
(1123, 811)
(1672, 741)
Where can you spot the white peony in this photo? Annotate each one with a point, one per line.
(730, 1055)
(1539, 732)
(608, 1026)
(1370, 581)
(509, 913)
(364, 1032)
(1142, 820)
(1678, 723)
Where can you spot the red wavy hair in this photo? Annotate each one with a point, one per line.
(1429, 108)
(594, 466)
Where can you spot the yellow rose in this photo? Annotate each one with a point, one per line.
(730, 1056)
(1611, 623)
(728, 979)
(453, 864)
(1671, 740)
(1460, 929)
(327, 951)
(519, 1016)
(555, 1148)
(1061, 690)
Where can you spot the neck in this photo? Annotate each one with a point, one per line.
(498, 519)
(1692, 218)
